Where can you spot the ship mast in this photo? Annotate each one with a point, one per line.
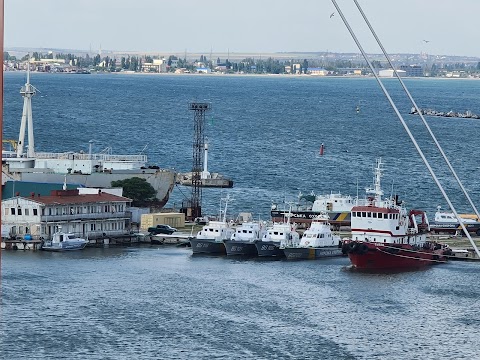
(27, 92)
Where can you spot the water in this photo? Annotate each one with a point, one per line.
(164, 303)
(265, 132)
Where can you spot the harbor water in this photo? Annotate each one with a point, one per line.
(160, 302)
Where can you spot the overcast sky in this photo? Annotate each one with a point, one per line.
(242, 26)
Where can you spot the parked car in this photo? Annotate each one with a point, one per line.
(161, 229)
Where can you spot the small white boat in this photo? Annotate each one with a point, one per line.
(242, 241)
(62, 241)
(210, 239)
(277, 237)
(317, 241)
(446, 222)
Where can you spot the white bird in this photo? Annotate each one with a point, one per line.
(331, 15)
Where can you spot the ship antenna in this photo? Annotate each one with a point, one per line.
(400, 117)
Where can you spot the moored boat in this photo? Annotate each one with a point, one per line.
(336, 205)
(277, 237)
(387, 237)
(242, 241)
(23, 163)
(446, 222)
(210, 240)
(62, 241)
(317, 241)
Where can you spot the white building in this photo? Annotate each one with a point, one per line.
(86, 215)
(158, 65)
(390, 73)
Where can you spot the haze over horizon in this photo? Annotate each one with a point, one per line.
(250, 27)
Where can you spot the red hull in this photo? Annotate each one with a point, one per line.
(378, 256)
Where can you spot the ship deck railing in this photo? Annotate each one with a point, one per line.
(82, 156)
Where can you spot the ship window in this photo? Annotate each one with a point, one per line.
(369, 214)
(374, 215)
(364, 214)
(354, 214)
(385, 216)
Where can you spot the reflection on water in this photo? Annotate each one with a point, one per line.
(163, 302)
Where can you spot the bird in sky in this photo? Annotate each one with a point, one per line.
(426, 41)
(331, 15)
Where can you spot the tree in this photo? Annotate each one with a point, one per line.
(137, 189)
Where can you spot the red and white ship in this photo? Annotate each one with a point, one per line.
(385, 236)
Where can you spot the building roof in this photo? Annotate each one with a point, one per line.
(69, 197)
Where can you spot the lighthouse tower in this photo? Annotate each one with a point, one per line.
(205, 172)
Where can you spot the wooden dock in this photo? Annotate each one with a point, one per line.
(22, 244)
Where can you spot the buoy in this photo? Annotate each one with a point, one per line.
(321, 149)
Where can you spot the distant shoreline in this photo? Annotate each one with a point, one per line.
(251, 75)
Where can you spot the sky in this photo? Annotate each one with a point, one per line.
(246, 26)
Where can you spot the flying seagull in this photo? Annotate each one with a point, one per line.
(331, 15)
(426, 41)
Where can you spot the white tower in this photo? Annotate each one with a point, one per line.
(205, 173)
(27, 92)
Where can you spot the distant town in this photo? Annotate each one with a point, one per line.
(319, 64)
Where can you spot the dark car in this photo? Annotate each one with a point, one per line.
(161, 229)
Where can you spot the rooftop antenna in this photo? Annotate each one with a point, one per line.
(400, 117)
(27, 91)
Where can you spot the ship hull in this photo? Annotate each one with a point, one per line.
(311, 253)
(207, 246)
(269, 249)
(162, 181)
(305, 217)
(240, 248)
(392, 257)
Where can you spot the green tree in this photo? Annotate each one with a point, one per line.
(137, 189)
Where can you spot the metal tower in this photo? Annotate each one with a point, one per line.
(199, 110)
(27, 92)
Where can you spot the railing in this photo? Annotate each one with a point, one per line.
(85, 156)
(71, 217)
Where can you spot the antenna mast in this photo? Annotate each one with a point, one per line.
(27, 91)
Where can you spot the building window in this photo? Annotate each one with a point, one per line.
(35, 212)
(12, 211)
(27, 212)
(19, 211)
